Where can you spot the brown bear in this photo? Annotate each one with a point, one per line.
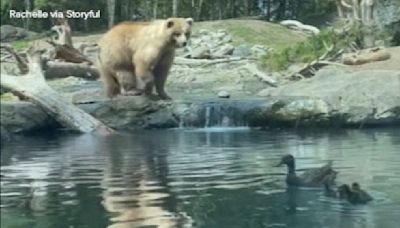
(135, 56)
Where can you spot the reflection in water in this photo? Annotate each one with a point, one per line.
(196, 178)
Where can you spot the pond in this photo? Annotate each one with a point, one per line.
(217, 177)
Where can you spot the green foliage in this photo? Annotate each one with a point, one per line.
(311, 49)
(20, 45)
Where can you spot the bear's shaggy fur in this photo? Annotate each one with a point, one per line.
(135, 56)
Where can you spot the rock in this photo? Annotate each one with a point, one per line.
(222, 31)
(227, 39)
(22, 117)
(201, 52)
(258, 50)
(363, 97)
(220, 35)
(226, 49)
(203, 32)
(241, 51)
(12, 33)
(223, 94)
(8, 33)
(4, 135)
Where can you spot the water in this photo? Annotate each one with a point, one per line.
(196, 178)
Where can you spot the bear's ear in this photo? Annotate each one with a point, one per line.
(170, 23)
(189, 21)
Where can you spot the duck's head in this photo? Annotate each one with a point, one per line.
(287, 160)
(355, 186)
(344, 191)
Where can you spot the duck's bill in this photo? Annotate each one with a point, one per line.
(279, 164)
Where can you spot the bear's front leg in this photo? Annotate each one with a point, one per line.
(146, 78)
(161, 71)
(161, 74)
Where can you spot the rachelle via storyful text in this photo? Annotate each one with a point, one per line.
(55, 14)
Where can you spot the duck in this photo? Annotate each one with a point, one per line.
(316, 177)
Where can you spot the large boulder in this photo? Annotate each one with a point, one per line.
(11, 33)
(362, 97)
(22, 117)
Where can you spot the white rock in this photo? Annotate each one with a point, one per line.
(223, 94)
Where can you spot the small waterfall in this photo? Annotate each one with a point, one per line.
(207, 117)
(217, 114)
(222, 114)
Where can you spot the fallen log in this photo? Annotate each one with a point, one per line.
(54, 70)
(21, 62)
(252, 68)
(33, 86)
(68, 53)
(311, 67)
(362, 58)
(205, 62)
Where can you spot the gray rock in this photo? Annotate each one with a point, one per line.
(222, 31)
(241, 51)
(227, 39)
(220, 35)
(366, 97)
(4, 135)
(226, 49)
(223, 94)
(258, 50)
(21, 116)
(200, 52)
(203, 32)
(11, 33)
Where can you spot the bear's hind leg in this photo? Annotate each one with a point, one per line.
(127, 82)
(110, 83)
(146, 78)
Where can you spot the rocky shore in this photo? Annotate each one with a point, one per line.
(231, 94)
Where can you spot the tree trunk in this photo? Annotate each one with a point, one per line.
(34, 87)
(28, 7)
(155, 8)
(281, 9)
(124, 9)
(339, 8)
(64, 34)
(111, 12)
(367, 18)
(220, 9)
(200, 7)
(269, 10)
(175, 8)
(247, 7)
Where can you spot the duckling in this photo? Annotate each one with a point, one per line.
(316, 177)
(361, 195)
(354, 195)
(344, 192)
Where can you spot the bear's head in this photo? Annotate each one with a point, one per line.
(179, 30)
